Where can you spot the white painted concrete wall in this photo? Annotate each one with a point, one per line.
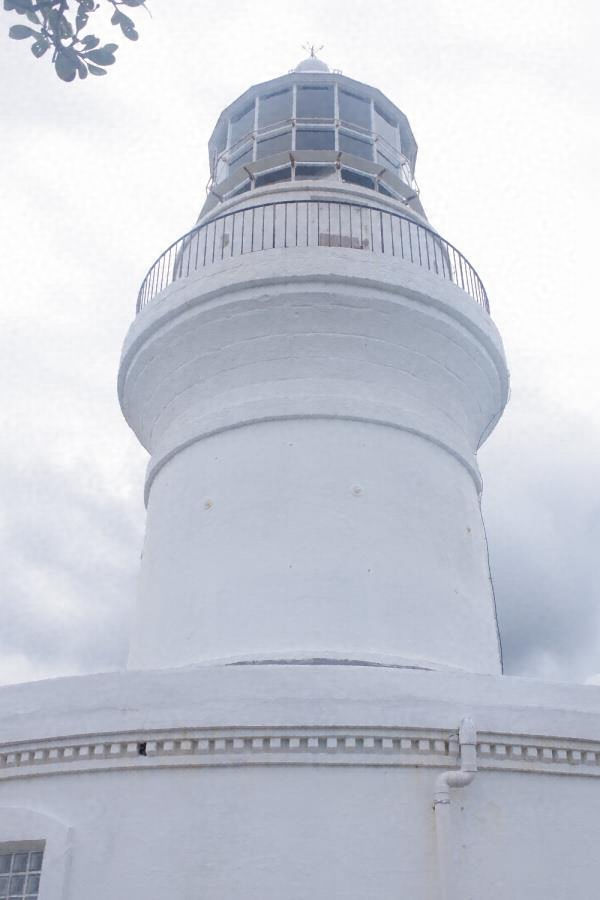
(313, 417)
(301, 539)
(327, 821)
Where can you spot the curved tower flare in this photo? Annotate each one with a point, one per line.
(312, 369)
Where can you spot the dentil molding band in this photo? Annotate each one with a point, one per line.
(288, 746)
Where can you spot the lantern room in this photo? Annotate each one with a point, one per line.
(312, 124)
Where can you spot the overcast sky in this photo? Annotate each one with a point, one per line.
(98, 177)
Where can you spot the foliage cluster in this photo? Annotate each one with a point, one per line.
(63, 25)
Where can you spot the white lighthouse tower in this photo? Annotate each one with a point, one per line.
(314, 705)
(312, 370)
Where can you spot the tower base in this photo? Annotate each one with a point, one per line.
(272, 781)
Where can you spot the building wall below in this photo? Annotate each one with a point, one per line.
(296, 781)
(270, 832)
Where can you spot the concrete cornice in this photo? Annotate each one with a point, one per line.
(337, 745)
(202, 296)
(393, 276)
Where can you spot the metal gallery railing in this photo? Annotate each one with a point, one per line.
(310, 223)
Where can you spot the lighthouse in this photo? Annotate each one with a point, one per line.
(314, 705)
(312, 370)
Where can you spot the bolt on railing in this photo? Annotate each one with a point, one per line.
(310, 223)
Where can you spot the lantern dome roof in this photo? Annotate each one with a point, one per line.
(312, 64)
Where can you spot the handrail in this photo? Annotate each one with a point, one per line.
(310, 223)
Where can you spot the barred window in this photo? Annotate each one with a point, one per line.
(20, 869)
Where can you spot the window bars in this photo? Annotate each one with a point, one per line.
(20, 873)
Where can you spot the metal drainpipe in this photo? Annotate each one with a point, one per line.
(454, 778)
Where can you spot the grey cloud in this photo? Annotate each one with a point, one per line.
(543, 524)
(69, 565)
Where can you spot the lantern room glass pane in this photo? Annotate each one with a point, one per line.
(304, 171)
(269, 145)
(221, 170)
(385, 126)
(242, 123)
(245, 156)
(314, 102)
(273, 177)
(221, 141)
(357, 178)
(406, 174)
(315, 139)
(355, 109)
(355, 145)
(387, 160)
(274, 108)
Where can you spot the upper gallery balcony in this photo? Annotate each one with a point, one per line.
(311, 223)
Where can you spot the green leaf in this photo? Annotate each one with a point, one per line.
(133, 2)
(94, 70)
(111, 47)
(19, 6)
(38, 48)
(54, 20)
(90, 41)
(102, 56)
(121, 19)
(82, 69)
(81, 19)
(66, 65)
(129, 32)
(19, 32)
(66, 29)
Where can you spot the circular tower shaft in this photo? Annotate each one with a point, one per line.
(312, 415)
